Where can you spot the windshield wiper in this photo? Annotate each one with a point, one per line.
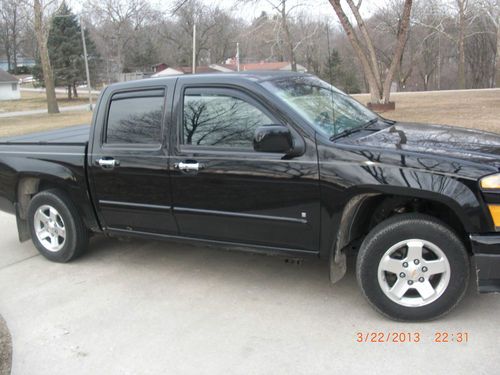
(356, 129)
(371, 122)
(346, 132)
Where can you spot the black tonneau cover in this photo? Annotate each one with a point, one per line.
(71, 135)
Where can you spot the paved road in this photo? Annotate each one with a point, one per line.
(81, 91)
(156, 308)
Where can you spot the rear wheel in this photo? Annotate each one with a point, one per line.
(56, 228)
(413, 267)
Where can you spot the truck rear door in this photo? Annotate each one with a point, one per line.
(128, 162)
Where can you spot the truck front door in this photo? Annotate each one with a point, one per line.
(223, 189)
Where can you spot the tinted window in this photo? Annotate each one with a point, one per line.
(221, 120)
(136, 119)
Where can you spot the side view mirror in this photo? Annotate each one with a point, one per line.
(273, 138)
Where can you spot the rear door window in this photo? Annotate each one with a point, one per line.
(136, 118)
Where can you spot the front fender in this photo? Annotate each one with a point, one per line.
(343, 181)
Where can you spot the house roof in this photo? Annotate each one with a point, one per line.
(199, 69)
(265, 66)
(6, 77)
(184, 70)
(278, 65)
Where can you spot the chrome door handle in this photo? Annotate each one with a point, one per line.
(188, 166)
(108, 163)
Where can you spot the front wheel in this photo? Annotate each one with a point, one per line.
(412, 267)
(57, 229)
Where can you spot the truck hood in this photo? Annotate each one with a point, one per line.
(449, 141)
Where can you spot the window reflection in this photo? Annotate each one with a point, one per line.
(135, 120)
(220, 120)
(326, 108)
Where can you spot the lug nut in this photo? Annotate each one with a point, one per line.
(424, 269)
(405, 264)
(410, 282)
(402, 274)
(416, 261)
(421, 279)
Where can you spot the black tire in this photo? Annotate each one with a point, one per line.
(76, 235)
(396, 230)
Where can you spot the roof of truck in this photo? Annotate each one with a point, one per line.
(241, 77)
(257, 75)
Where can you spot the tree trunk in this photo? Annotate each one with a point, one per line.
(497, 57)
(48, 77)
(9, 60)
(14, 38)
(369, 43)
(69, 92)
(372, 80)
(399, 49)
(75, 92)
(379, 92)
(461, 44)
(288, 36)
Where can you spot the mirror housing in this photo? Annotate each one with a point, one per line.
(275, 139)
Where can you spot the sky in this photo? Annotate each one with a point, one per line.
(317, 8)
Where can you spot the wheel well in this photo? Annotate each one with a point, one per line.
(29, 187)
(383, 207)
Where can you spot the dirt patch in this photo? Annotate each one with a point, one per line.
(479, 109)
(11, 126)
(37, 100)
(5, 349)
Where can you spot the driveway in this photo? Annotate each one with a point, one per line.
(159, 308)
(5, 348)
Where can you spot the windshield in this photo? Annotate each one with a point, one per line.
(327, 109)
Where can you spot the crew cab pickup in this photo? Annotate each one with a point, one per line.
(279, 163)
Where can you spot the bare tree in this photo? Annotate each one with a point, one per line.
(283, 27)
(12, 22)
(492, 8)
(281, 7)
(363, 45)
(462, 29)
(42, 32)
(120, 19)
(458, 25)
(422, 53)
(480, 49)
(210, 23)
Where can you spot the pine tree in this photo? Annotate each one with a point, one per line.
(341, 74)
(66, 50)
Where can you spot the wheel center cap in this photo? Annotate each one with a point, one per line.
(414, 272)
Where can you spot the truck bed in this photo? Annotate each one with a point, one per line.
(73, 135)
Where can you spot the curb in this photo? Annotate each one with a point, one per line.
(5, 348)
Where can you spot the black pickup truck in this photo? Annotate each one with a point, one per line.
(277, 163)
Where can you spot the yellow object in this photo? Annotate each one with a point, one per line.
(491, 182)
(495, 214)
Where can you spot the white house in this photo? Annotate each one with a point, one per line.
(9, 86)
